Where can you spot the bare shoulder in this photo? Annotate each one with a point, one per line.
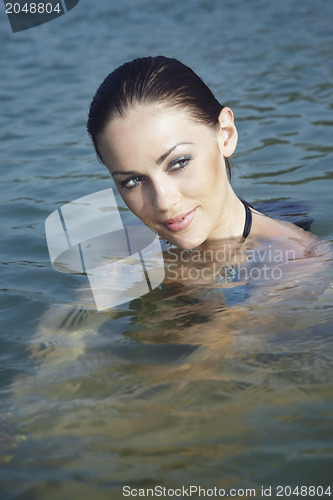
(272, 229)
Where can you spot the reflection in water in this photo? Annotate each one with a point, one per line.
(180, 386)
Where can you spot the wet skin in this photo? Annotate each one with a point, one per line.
(171, 173)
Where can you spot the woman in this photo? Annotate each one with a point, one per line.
(166, 141)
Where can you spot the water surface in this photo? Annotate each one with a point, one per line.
(186, 385)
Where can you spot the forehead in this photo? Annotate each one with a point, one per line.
(145, 131)
(137, 120)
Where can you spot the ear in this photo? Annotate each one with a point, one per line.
(227, 133)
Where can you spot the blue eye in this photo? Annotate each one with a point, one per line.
(180, 162)
(132, 182)
(136, 180)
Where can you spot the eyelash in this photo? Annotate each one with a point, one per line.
(127, 181)
(183, 161)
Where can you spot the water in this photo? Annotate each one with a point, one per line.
(185, 385)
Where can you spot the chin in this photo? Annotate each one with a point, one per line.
(186, 244)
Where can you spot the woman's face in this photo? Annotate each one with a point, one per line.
(170, 171)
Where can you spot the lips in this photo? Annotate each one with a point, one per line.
(180, 221)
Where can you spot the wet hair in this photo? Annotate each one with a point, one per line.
(154, 81)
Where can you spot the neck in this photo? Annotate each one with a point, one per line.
(231, 223)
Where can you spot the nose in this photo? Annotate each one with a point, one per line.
(164, 194)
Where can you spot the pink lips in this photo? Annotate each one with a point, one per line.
(179, 222)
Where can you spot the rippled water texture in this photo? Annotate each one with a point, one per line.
(184, 385)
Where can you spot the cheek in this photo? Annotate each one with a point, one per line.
(137, 204)
(133, 204)
(208, 177)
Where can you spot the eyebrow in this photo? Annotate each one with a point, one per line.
(160, 160)
(130, 172)
(168, 153)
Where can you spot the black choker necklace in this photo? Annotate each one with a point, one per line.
(248, 219)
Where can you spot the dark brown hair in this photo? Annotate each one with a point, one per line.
(152, 80)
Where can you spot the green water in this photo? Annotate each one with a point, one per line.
(184, 386)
